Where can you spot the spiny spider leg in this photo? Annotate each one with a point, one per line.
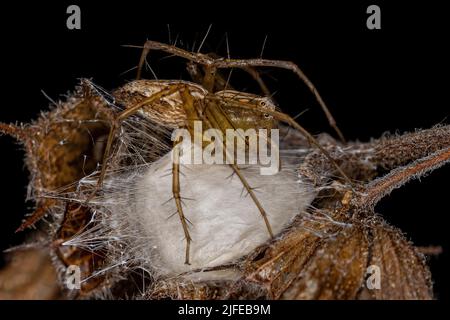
(216, 118)
(177, 197)
(127, 113)
(252, 72)
(175, 170)
(290, 121)
(211, 65)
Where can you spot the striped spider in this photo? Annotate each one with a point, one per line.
(178, 104)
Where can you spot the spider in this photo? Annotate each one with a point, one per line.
(177, 104)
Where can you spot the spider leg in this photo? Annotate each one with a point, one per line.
(288, 65)
(217, 118)
(249, 190)
(212, 65)
(196, 74)
(251, 71)
(176, 167)
(177, 197)
(257, 77)
(209, 78)
(290, 121)
(116, 125)
(223, 84)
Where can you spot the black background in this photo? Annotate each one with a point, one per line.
(393, 79)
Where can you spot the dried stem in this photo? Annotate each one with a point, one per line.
(379, 188)
(394, 151)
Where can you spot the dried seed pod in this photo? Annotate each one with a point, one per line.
(62, 146)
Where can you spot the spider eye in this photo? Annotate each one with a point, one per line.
(262, 104)
(266, 115)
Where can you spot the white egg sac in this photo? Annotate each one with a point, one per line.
(225, 222)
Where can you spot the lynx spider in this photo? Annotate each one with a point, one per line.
(189, 102)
